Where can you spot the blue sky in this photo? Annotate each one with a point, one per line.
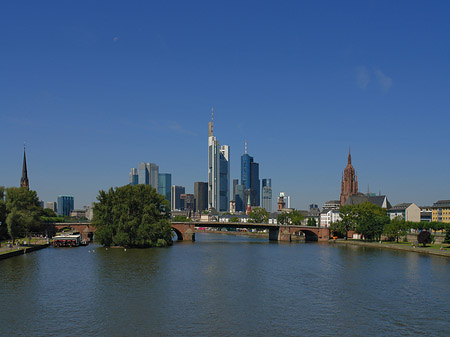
(95, 87)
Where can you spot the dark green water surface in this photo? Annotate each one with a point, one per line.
(225, 285)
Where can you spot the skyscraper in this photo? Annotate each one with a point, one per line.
(147, 174)
(164, 185)
(134, 176)
(201, 196)
(267, 194)
(218, 171)
(65, 204)
(250, 178)
(177, 191)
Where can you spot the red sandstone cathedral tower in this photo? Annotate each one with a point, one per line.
(349, 182)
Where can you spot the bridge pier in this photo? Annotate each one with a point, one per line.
(184, 231)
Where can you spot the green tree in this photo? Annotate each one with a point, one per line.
(180, 218)
(234, 219)
(395, 228)
(349, 220)
(293, 217)
(132, 216)
(22, 211)
(424, 237)
(447, 234)
(258, 215)
(311, 222)
(3, 214)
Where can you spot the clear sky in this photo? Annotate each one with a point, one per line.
(95, 87)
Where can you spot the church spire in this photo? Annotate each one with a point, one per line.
(349, 156)
(24, 180)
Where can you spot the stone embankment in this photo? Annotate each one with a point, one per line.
(395, 246)
(22, 250)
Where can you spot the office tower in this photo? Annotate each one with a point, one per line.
(134, 176)
(239, 198)
(24, 180)
(187, 202)
(235, 183)
(218, 171)
(267, 194)
(177, 191)
(164, 186)
(65, 204)
(250, 178)
(51, 205)
(148, 174)
(201, 196)
(153, 172)
(143, 176)
(224, 190)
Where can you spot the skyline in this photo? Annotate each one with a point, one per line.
(300, 82)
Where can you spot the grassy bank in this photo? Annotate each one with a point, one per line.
(431, 249)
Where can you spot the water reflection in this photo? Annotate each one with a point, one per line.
(224, 285)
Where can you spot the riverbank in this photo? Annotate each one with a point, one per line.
(395, 246)
(12, 252)
(260, 235)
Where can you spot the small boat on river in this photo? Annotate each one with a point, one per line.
(67, 240)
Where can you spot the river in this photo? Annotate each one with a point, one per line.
(224, 285)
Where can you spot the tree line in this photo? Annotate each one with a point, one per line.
(372, 221)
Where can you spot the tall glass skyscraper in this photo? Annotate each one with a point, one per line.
(250, 179)
(147, 174)
(134, 176)
(164, 186)
(218, 172)
(267, 194)
(65, 204)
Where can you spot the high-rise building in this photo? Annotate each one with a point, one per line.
(218, 171)
(187, 202)
(250, 178)
(239, 198)
(164, 185)
(147, 174)
(176, 193)
(134, 176)
(224, 190)
(349, 181)
(52, 205)
(24, 179)
(201, 196)
(65, 204)
(267, 194)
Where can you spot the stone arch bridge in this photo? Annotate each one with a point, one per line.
(186, 230)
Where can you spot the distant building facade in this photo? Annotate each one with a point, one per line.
(267, 194)
(164, 186)
(148, 174)
(201, 196)
(134, 176)
(65, 204)
(218, 171)
(406, 211)
(250, 178)
(349, 181)
(441, 211)
(52, 205)
(176, 193)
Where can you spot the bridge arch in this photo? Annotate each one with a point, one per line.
(177, 233)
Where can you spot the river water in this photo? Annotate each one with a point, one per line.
(224, 285)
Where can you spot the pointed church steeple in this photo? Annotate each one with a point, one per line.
(24, 180)
(349, 156)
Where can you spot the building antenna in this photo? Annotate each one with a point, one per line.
(246, 146)
(212, 119)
